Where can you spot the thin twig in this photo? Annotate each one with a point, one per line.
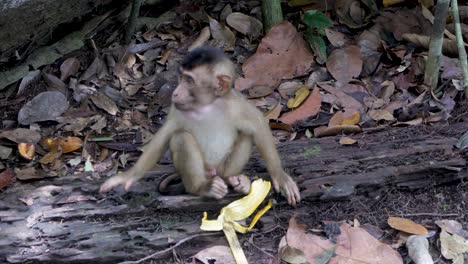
(162, 252)
(430, 214)
(261, 250)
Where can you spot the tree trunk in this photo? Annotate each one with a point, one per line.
(26, 24)
(67, 220)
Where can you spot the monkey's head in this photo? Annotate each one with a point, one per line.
(205, 74)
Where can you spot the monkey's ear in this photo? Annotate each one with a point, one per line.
(224, 84)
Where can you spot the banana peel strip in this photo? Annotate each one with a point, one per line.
(239, 210)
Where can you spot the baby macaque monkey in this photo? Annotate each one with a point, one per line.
(209, 130)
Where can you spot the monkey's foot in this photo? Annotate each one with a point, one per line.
(217, 188)
(240, 183)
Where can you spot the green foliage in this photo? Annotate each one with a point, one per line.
(317, 22)
(316, 19)
(318, 45)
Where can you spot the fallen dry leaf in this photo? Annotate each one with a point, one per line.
(223, 37)
(204, 36)
(29, 79)
(69, 67)
(289, 88)
(453, 247)
(259, 91)
(299, 97)
(29, 173)
(45, 106)
(104, 102)
(217, 254)
(6, 177)
(344, 118)
(66, 145)
(355, 245)
(337, 39)
(311, 246)
(245, 24)
(325, 131)
(274, 113)
(345, 64)
(21, 135)
(282, 47)
(54, 83)
(5, 152)
(347, 141)
(381, 114)
(341, 98)
(309, 108)
(406, 225)
(27, 150)
(452, 227)
(50, 157)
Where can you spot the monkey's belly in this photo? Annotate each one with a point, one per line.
(215, 144)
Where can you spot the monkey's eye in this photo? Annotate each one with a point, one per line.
(189, 79)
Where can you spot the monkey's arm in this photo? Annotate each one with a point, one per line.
(255, 124)
(155, 149)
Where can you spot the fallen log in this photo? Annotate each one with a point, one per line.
(64, 219)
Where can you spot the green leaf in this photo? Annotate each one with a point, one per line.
(301, 2)
(316, 19)
(318, 45)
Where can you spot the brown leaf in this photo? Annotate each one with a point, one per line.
(6, 177)
(259, 91)
(45, 106)
(344, 118)
(165, 57)
(202, 38)
(337, 39)
(66, 145)
(222, 35)
(324, 131)
(406, 225)
(27, 150)
(309, 108)
(54, 83)
(347, 141)
(29, 173)
(342, 99)
(50, 157)
(69, 67)
(105, 103)
(217, 254)
(299, 97)
(20, 135)
(247, 25)
(274, 113)
(345, 64)
(28, 80)
(355, 245)
(381, 114)
(313, 247)
(282, 54)
(288, 89)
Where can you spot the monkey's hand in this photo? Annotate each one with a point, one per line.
(284, 184)
(125, 179)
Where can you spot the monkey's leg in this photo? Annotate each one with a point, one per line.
(236, 162)
(188, 161)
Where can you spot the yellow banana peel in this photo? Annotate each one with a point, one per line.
(236, 211)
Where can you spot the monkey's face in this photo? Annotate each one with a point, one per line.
(195, 89)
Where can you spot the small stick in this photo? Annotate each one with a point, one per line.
(132, 20)
(431, 214)
(167, 250)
